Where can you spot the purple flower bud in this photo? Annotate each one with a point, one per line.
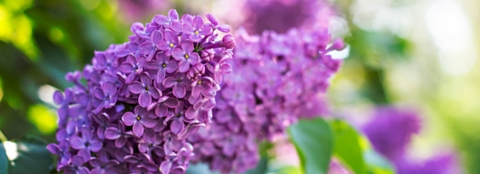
(228, 41)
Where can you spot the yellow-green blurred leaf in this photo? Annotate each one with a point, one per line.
(43, 118)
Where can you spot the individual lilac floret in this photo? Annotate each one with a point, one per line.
(391, 129)
(140, 100)
(277, 77)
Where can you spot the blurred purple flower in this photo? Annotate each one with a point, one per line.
(439, 164)
(281, 15)
(137, 10)
(266, 94)
(391, 129)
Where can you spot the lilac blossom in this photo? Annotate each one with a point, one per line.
(261, 15)
(390, 131)
(139, 120)
(118, 134)
(179, 83)
(145, 90)
(268, 92)
(438, 164)
(186, 56)
(85, 144)
(169, 44)
(133, 110)
(134, 10)
(401, 126)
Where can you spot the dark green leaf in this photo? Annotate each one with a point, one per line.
(3, 160)
(199, 168)
(347, 146)
(313, 140)
(261, 167)
(28, 156)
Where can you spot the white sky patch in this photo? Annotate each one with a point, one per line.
(340, 54)
(452, 34)
(11, 150)
(45, 93)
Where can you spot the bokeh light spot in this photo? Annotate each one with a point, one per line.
(43, 118)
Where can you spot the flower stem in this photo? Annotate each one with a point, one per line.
(2, 137)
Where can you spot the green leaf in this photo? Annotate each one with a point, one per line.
(29, 155)
(286, 170)
(200, 168)
(313, 141)
(347, 146)
(377, 163)
(3, 160)
(261, 167)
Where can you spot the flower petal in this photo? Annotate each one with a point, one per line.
(169, 82)
(191, 113)
(161, 110)
(194, 58)
(160, 19)
(95, 145)
(129, 118)
(120, 142)
(58, 97)
(183, 66)
(171, 102)
(160, 75)
(138, 129)
(145, 79)
(172, 65)
(86, 134)
(109, 88)
(112, 133)
(154, 92)
(148, 122)
(53, 148)
(85, 154)
(178, 54)
(144, 99)
(179, 91)
(165, 167)
(136, 88)
(187, 47)
(172, 14)
(177, 126)
(156, 36)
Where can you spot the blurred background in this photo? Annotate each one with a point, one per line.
(415, 54)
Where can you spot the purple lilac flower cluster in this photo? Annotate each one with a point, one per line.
(139, 100)
(390, 132)
(276, 77)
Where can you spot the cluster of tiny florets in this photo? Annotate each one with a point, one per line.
(277, 78)
(138, 101)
